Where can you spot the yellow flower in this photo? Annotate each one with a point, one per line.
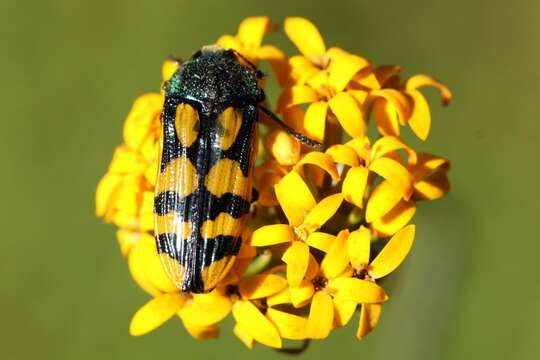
(333, 290)
(248, 42)
(269, 173)
(256, 319)
(305, 217)
(386, 261)
(313, 272)
(404, 104)
(389, 206)
(320, 78)
(120, 192)
(130, 178)
(430, 177)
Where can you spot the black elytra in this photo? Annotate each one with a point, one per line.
(211, 81)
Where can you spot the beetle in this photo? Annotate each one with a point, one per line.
(208, 150)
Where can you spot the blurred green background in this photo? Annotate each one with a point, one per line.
(69, 73)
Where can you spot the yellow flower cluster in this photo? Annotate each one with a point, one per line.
(308, 263)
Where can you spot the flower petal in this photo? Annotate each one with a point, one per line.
(343, 154)
(271, 235)
(252, 29)
(306, 37)
(343, 66)
(386, 117)
(136, 269)
(386, 72)
(354, 185)
(289, 326)
(359, 95)
(358, 247)
(369, 317)
(430, 180)
(243, 335)
(343, 311)
(315, 120)
(313, 268)
(169, 67)
(427, 164)
(433, 187)
(127, 239)
(420, 120)
(395, 173)
(395, 98)
(260, 286)
(301, 295)
(362, 147)
(393, 253)
(282, 297)
(388, 144)
(142, 117)
(256, 324)
(295, 95)
(294, 197)
(302, 69)
(296, 257)
(230, 42)
(155, 313)
(201, 332)
(146, 268)
(277, 61)
(418, 81)
(323, 211)
(367, 79)
(321, 160)
(320, 241)
(283, 147)
(321, 316)
(126, 161)
(382, 200)
(247, 251)
(107, 186)
(336, 260)
(348, 113)
(205, 309)
(394, 220)
(361, 291)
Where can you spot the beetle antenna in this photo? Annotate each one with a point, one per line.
(302, 138)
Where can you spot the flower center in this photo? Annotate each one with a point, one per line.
(319, 282)
(232, 291)
(362, 273)
(302, 231)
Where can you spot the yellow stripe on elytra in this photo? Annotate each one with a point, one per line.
(179, 176)
(171, 224)
(216, 271)
(186, 124)
(176, 272)
(224, 224)
(228, 125)
(226, 176)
